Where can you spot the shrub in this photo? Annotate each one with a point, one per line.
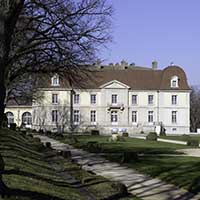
(141, 132)
(48, 144)
(193, 143)
(125, 134)
(116, 138)
(34, 131)
(93, 147)
(95, 132)
(13, 126)
(48, 133)
(152, 136)
(186, 137)
(41, 131)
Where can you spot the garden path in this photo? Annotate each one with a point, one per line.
(138, 184)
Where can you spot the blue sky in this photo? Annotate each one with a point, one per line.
(163, 30)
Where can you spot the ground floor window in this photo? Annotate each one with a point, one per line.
(76, 116)
(93, 116)
(10, 117)
(134, 116)
(27, 118)
(54, 116)
(114, 117)
(150, 116)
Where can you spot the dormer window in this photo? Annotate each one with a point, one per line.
(55, 80)
(174, 82)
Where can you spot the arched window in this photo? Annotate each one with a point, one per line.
(27, 118)
(174, 82)
(10, 117)
(55, 80)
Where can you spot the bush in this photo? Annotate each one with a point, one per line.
(186, 137)
(141, 132)
(93, 147)
(116, 138)
(13, 126)
(34, 131)
(152, 136)
(48, 145)
(41, 131)
(125, 134)
(193, 143)
(95, 132)
(48, 133)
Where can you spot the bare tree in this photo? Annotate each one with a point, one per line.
(194, 109)
(47, 36)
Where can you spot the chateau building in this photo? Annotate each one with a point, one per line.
(117, 97)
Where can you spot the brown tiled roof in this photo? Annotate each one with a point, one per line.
(137, 79)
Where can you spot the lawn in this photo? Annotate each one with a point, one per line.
(157, 159)
(34, 172)
(181, 137)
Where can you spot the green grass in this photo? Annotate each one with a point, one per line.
(27, 173)
(158, 159)
(181, 137)
(32, 172)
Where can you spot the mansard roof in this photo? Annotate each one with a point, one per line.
(135, 79)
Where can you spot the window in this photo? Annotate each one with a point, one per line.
(174, 82)
(93, 116)
(114, 116)
(54, 116)
(54, 98)
(134, 116)
(150, 99)
(93, 98)
(174, 117)
(76, 116)
(134, 99)
(114, 99)
(150, 116)
(76, 99)
(10, 117)
(174, 99)
(55, 80)
(27, 118)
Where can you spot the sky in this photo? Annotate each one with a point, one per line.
(162, 30)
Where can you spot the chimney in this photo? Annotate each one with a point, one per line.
(154, 65)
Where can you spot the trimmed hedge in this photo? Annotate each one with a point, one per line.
(125, 134)
(152, 136)
(193, 143)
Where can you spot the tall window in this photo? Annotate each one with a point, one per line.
(27, 118)
(93, 98)
(134, 99)
(54, 116)
(150, 116)
(114, 116)
(114, 99)
(55, 80)
(174, 82)
(134, 116)
(174, 117)
(76, 99)
(76, 116)
(174, 99)
(150, 99)
(10, 117)
(54, 98)
(93, 116)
